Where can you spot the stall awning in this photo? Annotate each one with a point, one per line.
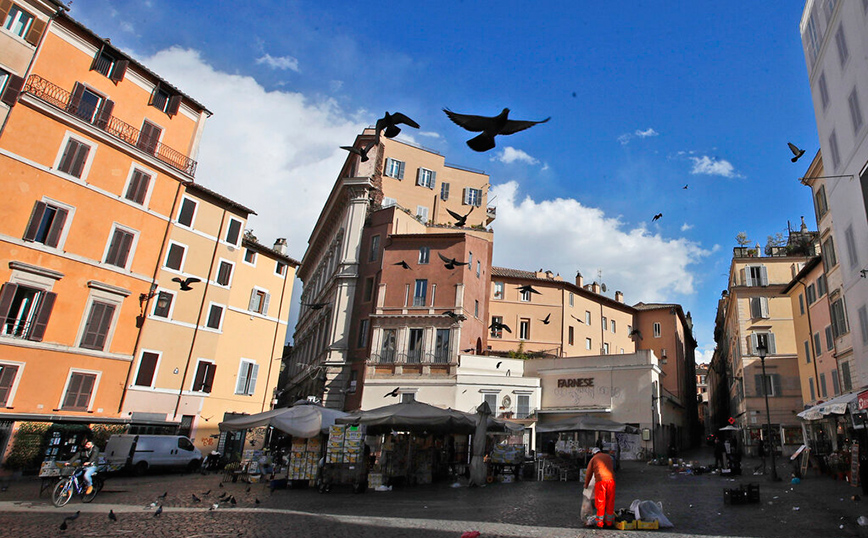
(835, 406)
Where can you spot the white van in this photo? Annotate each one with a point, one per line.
(140, 453)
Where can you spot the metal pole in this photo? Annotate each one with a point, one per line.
(774, 476)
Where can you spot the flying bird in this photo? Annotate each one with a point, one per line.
(527, 288)
(636, 332)
(498, 364)
(312, 306)
(656, 217)
(468, 350)
(547, 319)
(489, 126)
(450, 263)
(796, 151)
(207, 493)
(577, 319)
(390, 122)
(112, 515)
(185, 283)
(393, 394)
(403, 264)
(684, 187)
(460, 220)
(159, 511)
(454, 316)
(361, 152)
(195, 498)
(498, 326)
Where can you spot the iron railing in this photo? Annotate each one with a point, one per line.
(56, 96)
(16, 328)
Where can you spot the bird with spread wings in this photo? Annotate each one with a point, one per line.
(489, 126)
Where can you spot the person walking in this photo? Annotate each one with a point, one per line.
(601, 467)
(761, 452)
(718, 453)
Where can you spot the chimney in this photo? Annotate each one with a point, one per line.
(804, 227)
(578, 279)
(619, 296)
(280, 245)
(595, 287)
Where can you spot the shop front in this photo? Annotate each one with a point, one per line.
(835, 432)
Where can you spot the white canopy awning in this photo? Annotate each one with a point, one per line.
(835, 406)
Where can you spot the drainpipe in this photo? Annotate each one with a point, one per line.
(274, 340)
(811, 338)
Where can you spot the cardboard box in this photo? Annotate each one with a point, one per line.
(647, 525)
(625, 525)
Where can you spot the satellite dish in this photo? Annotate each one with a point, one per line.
(603, 287)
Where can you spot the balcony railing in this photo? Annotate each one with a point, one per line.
(62, 99)
(16, 327)
(411, 357)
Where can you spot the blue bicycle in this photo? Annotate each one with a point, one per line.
(71, 484)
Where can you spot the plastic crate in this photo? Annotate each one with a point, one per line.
(753, 493)
(647, 525)
(625, 525)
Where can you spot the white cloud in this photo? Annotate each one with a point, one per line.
(712, 167)
(429, 134)
(273, 151)
(564, 236)
(279, 62)
(685, 227)
(703, 356)
(510, 155)
(625, 138)
(127, 27)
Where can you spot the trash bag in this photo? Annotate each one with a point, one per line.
(649, 511)
(588, 508)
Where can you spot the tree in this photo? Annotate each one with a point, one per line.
(742, 239)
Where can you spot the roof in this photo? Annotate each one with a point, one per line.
(256, 245)
(654, 306)
(809, 266)
(515, 273)
(205, 190)
(505, 272)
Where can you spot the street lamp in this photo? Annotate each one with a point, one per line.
(762, 351)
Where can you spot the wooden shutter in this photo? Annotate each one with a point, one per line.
(241, 383)
(433, 180)
(251, 385)
(465, 196)
(401, 169)
(36, 29)
(5, 6)
(53, 237)
(776, 384)
(199, 381)
(46, 304)
(764, 307)
(81, 152)
(124, 245)
(418, 176)
(745, 276)
(209, 377)
(97, 326)
(7, 294)
(105, 113)
(35, 221)
(176, 255)
(252, 302)
(758, 382)
(174, 105)
(265, 301)
(84, 390)
(75, 98)
(7, 378)
(387, 166)
(752, 342)
(13, 89)
(764, 276)
(119, 70)
(147, 367)
(72, 391)
(770, 338)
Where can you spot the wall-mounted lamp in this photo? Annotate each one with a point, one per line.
(804, 180)
(162, 300)
(175, 371)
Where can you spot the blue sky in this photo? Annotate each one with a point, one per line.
(645, 97)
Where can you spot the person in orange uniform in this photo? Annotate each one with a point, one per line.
(601, 467)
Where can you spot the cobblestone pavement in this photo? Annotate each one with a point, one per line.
(817, 507)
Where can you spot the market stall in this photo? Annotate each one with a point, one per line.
(567, 444)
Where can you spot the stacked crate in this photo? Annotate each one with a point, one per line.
(304, 455)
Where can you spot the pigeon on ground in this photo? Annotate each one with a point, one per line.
(163, 496)
(73, 517)
(63, 525)
(489, 126)
(361, 152)
(390, 122)
(256, 500)
(403, 264)
(497, 326)
(450, 263)
(248, 489)
(547, 319)
(158, 511)
(220, 484)
(468, 350)
(796, 151)
(460, 220)
(112, 515)
(393, 394)
(657, 217)
(185, 283)
(232, 500)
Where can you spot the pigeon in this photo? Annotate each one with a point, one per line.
(159, 511)
(195, 498)
(361, 152)
(656, 217)
(468, 350)
(454, 316)
(450, 263)
(390, 122)
(73, 517)
(213, 507)
(489, 126)
(460, 220)
(185, 283)
(232, 500)
(403, 264)
(63, 525)
(206, 493)
(498, 364)
(163, 496)
(547, 319)
(248, 489)
(112, 515)
(312, 306)
(577, 319)
(684, 187)
(393, 394)
(497, 326)
(256, 500)
(636, 332)
(796, 151)
(527, 288)
(220, 484)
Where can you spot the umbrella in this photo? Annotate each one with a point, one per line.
(477, 462)
(412, 416)
(301, 420)
(585, 423)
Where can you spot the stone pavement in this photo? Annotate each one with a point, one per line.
(817, 507)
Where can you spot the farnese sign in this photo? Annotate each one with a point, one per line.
(576, 382)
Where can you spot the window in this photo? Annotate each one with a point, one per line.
(24, 311)
(280, 269)
(587, 343)
(368, 290)
(85, 103)
(163, 304)
(8, 373)
(96, 329)
(821, 285)
(496, 323)
(224, 273)
(818, 348)
(420, 292)
(756, 275)
(388, 202)
(613, 326)
(246, 382)
(570, 335)
(770, 385)
(424, 255)
(258, 301)
(407, 397)
(824, 91)
(839, 318)
(855, 111)
(657, 330)
(250, 256)
(175, 256)
(852, 253)
(830, 339)
(387, 349)
(476, 309)
(472, 197)
(46, 224)
(524, 296)
(74, 158)
(571, 298)
(829, 258)
(845, 376)
(524, 329)
(147, 369)
(478, 268)
(444, 191)
(605, 323)
(18, 21)
(841, 43)
(137, 189)
(835, 385)
(807, 352)
(188, 210)
(522, 406)
(394, 168)
(801, 305)
(426, 178)
(79, 390)
(605, 348)
(121, 244)
(441, 346)
(863, 323)
(215, 317)
(149, 137)
(811, 293)
(414, 346)
(820, 204)
(163, 101)
(823, 391)
(498, 290)
(811, 388)
(422, 213)
(233, 231)
(107, 65)
(204, 379)
(833, 147)
(588, 318)
(766, 339)
(363, 333)
(374, 251)
(491, 400)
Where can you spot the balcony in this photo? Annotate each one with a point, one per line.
(58, 97)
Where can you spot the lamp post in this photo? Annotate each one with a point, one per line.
(762, 351)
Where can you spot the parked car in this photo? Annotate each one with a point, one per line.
(140, 453)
